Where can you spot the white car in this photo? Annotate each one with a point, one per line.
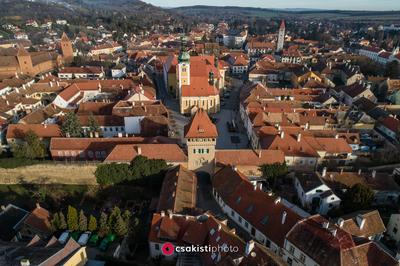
(64, 237)
(84, 238)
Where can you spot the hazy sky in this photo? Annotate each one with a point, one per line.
(322, 4)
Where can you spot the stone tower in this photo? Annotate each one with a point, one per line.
(183, 71)
(201, 137)
(281, 37)
(25, 62)
(66, 49)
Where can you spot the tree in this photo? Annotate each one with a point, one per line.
(358, 197)
(107, 174)
(92, 223)
(55, 222)
(63, 223)
(83, 223)
(104, 229)
(72, 219)
(71, 126)
(113, 216)
(120, 226)
(93, 124)
(31, 148)
(271, 172)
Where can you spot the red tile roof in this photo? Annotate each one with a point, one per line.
(39, 219)
(239, 194)
(171, 153)
(179, 191)
(201, 126)
(18, 131)
(248, 157)
(198, 87)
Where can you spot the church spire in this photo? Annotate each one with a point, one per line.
(184, 54)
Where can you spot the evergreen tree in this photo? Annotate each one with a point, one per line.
(72, 219)
(83, 223)
(271, 172)
(63, 223)
(31, 148)
(92, 227)
(358, 197)
(93, 124)
(116, 212)
(55, 222)
(104, 229)
(120, 226)
(71, 126)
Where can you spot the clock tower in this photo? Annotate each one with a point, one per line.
(183, 71)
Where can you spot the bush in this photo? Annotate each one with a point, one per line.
(145, 171)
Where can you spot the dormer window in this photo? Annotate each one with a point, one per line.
(264, 220)
(250, 208)
(238, 200)
(212, 231)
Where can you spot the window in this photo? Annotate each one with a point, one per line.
(302, 258)
(289, 261)
(246, 224)
(291, 249)
(240, 219)
(250, 208)
(232, 213)
(194, 151)
(394, 230)
(157, 246)
(264, 221)
(238, 199)
(212, 231)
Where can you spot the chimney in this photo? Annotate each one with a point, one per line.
(170, 215)
(234, 168)
(96, 134)
(299, 137)
(325, 225)
(162, 213)
(255, 187)
(37, 205)
(282, 135)
(359, 171)
(219, 227)
(284, 214)
(139, 150)
(259, 154)
(25, 262)
(45, 125)
(249, 247)
(337, 136)
(277, 200)
(3, 207)
(340, 222)
(324, 172)
(373, 173)
(360, 221)
(334, 232)
(307, 126)
(260, 186)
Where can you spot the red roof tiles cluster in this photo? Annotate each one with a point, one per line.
(201, 126)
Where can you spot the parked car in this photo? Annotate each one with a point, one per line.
(64, 237)
(84, 238)
(94, 239)
(106, 242)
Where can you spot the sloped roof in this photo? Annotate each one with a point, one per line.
(201, 126)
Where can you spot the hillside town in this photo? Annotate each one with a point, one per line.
(209, 145)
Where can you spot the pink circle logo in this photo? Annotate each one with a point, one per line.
(167, 249)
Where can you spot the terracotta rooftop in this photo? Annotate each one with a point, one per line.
(201, 126)
(127, 152)
(179, 191)
(42, 130)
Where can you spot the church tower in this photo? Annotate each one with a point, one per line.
(66, 49)
(201, 137)
(25, 62)
(281, 37)
(183, 71)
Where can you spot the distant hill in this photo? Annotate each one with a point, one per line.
(234, 11)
